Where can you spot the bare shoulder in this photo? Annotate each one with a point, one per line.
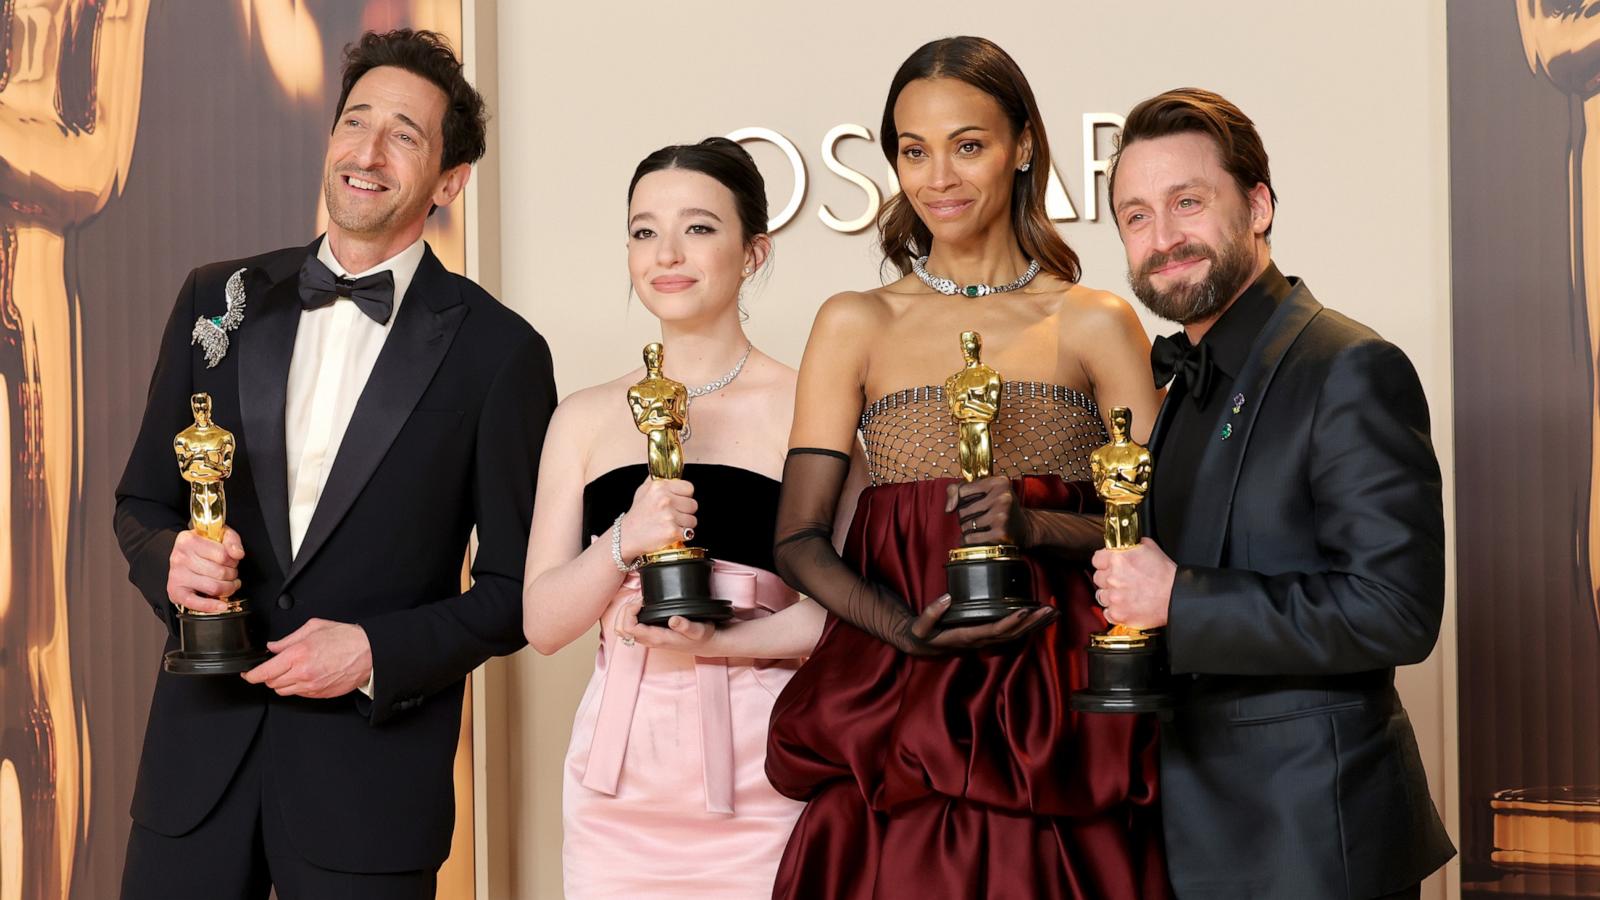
(775, 371)
(584, 410)
(775, 380)
(851, 311)
(1092, 306)
(1089, 317)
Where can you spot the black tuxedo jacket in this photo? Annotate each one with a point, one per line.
(446, 436)
(1311, 563)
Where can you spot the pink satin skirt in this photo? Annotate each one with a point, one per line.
(664, 792)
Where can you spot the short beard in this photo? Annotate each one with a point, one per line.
(1186, 304)
(376, 222)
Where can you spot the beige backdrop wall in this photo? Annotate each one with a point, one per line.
(1349, 97)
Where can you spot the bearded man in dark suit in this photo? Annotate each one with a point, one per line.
(1296, 549)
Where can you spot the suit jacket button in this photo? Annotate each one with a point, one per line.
(285, 601)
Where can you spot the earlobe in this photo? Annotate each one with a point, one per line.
(451, 186)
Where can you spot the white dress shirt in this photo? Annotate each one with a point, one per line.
(334, 352)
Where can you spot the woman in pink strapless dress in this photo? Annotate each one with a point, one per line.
(664, 791)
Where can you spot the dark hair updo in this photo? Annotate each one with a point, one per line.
(723, 160)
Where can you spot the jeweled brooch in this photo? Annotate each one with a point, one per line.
(211, 332)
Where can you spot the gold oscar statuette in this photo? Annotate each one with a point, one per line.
(205, 458)
(210, 643)
(1127, 666)
(987, 582)
(676, 579)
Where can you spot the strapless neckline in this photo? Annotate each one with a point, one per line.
(687, 468)
(1042, 429)
(737, 508)
(1010, 390)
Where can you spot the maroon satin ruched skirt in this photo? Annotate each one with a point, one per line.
(964, 775)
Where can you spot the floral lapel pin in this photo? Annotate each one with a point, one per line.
(211, 332)
(1238, 407)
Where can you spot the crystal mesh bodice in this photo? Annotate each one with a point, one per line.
(1042, 429)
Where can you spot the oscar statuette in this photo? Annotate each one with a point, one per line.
(1127, 666)
(210, 643)
(987, 582)
(676, 579)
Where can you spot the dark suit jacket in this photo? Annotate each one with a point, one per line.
(1311, 563)
(446, 436)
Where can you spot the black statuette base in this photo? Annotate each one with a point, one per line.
(214, 645)
(986, 590)
(680, 587)
(1126, 681)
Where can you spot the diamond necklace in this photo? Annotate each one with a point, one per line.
(950, 288)
(711, 388)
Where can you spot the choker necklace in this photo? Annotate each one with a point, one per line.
(950, 288)
(712, 388)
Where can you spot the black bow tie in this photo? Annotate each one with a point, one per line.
(373, 294)
(1188, 367)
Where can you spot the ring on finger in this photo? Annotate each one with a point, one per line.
(1099, 597)
(627, 640)
(688, 534)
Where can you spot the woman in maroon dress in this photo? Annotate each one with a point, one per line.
(946, 763)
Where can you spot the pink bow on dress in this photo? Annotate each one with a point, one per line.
(749, 589)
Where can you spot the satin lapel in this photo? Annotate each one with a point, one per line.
(1205, 523)
(266, 345)
(424, 327)
(1163, 417)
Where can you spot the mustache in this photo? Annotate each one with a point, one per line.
(363, 174)
(1181, 253)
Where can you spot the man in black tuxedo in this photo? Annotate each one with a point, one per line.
(1296, 549)
(383, 408)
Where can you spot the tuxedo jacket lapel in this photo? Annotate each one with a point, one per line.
(266, 346)
(1205, 523)
(1163, 419)
(424, 327)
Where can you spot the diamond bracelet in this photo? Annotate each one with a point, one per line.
(616, 549)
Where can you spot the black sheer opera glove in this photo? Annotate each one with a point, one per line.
(805, 557)
(804, 554)
(990, 512)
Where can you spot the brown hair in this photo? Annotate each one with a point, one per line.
(981, 63)
(1199, 111)
(426, 54)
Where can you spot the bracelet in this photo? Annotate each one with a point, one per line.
(616, 549)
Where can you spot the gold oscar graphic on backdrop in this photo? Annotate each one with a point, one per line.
(676, 579)
(1127, 666)
(69, 106)
(1557, 829)
(987, 582)
(1561, 40)
(210, 643)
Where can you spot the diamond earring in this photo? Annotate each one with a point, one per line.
(1025, 167)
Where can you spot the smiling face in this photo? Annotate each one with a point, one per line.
(686, 253)
(381, 176)
(957, 157)
(1194, 240)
